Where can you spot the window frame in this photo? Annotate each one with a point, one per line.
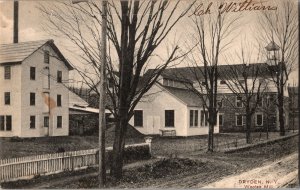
(47, 56)
(32, 122)
(194, 118)
(221, 114)
(8, 125)
(59, 118)
(138, 120)
(203, 120)
(7, 98)
(59, 76)
(5, 123)
(7, 72)
(262, 119)
(32, 99)
(32, 73)
(59, 100)
(2, 123)
(46, 124)
(236, 120)
(168, 120)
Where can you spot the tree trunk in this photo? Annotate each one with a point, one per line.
(280, 89)
(118, 148)
(210, 138)
(211, 121)
(248, 128)
(281, 112)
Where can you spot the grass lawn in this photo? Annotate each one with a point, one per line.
(165, 146)
(168, 146)
(193, 172)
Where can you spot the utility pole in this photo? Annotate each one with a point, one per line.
(102, 91)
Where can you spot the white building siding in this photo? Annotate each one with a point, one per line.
(15, 99)
(37, 86)
(154, 107)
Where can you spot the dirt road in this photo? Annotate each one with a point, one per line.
(275, 175)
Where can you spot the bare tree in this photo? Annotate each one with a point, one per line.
(135, 30)
(268, 109)
(248, 83)
(280, 27)
(212, 34)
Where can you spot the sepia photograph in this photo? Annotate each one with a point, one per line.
(153, 94)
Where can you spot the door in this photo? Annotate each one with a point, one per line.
(153, 125)
(46, 125)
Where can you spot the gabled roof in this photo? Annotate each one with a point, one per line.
(194, 73)
(74, 99)
(187, 96)
(18, 52)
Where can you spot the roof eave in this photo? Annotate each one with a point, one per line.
(11, 63)
(69, 66)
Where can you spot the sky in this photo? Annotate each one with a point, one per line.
(30, 22)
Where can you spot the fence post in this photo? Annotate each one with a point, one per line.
(148, 140)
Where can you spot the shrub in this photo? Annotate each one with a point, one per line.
(132, 153)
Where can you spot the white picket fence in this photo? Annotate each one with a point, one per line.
(27, 167)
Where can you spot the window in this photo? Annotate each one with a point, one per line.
(32, 122)
(203, 118)
(259, 120)
(194, 118)
(8, 123)
(32, 73)
(222, 82)
(239, 120)
(221, 119)
(5, 123)
(239, 102)
(58, 100)
(59, 122)
(46, 121)
(2, 123)
(46, 57)
(138, 118)
(7, 72)
(165, 82)
(59, 76)
(32, 98)
(169, 82)
(7, 98)
(169, 118)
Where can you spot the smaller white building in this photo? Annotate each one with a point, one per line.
(170, 108)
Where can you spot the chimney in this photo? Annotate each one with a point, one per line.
(16, 21)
